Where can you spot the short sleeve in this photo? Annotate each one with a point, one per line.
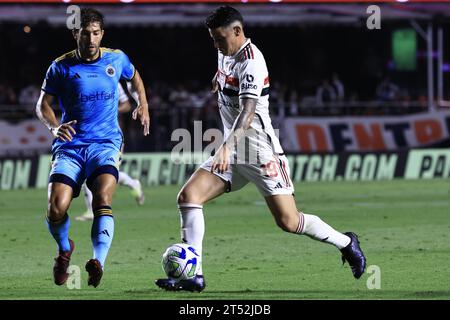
(127, 67)
(51, 84)
(251, 79)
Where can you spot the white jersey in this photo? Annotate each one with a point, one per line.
(245, 75)
(122, 95)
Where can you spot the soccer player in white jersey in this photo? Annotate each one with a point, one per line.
(124, 179)
(242, 83)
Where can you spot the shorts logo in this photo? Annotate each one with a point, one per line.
(110, 71)
(249, 78)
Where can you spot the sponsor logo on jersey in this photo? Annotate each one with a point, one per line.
(94, 96)
(246, 86)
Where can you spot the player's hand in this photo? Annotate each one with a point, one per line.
(221, 160)
(64, 132)
(142, 112)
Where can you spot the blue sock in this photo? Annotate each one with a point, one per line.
(60, 232)
(102, 232)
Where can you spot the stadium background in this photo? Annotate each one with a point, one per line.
(385, 128)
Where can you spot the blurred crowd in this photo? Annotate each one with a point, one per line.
(178, 106)
(325, 99)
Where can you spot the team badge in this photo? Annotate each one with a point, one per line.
(110, 71)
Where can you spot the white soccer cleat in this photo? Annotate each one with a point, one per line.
(138, 193)
(88, 215)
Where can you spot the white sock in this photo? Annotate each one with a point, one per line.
(192, 226)
(315, 228)
(87, 197)
(125, 179)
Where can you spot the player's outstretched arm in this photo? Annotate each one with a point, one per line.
(242, 123)
(138, 92)
(46, 114)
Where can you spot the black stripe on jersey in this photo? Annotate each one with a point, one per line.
(260, 120)
(248, 53)
(269, 138)
(230, 92)
(283, 173)
(265, 92)
(248, 93)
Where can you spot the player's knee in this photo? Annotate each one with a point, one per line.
(56, 209)
(186, 196)
(101, 198)
(288, 224)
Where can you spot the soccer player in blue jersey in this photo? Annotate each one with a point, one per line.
(88, 140)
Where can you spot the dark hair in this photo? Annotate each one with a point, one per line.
(222, 17)
(89, 15)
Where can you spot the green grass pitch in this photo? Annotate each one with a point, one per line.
(404, 228)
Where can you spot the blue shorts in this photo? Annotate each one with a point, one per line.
(73, 165)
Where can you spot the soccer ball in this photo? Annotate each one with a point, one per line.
(181, 261)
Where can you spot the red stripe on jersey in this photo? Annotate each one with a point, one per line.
(283, 168)
(244, 53)
(232, 81)
(281, 171)
(266, 81)
(248, 52)
(284, 175)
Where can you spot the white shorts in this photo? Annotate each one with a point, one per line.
(272, 178)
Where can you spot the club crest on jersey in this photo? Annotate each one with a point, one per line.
(110, 71)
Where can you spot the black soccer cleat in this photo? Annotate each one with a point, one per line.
(353, 254)
(62, 262)
(196, 284)
(95, 270)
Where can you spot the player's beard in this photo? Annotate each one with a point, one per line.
(90, 52)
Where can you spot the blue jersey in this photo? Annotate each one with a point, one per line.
(87, 91)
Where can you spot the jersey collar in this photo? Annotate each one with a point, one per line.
(241, 48)
(85, 61)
